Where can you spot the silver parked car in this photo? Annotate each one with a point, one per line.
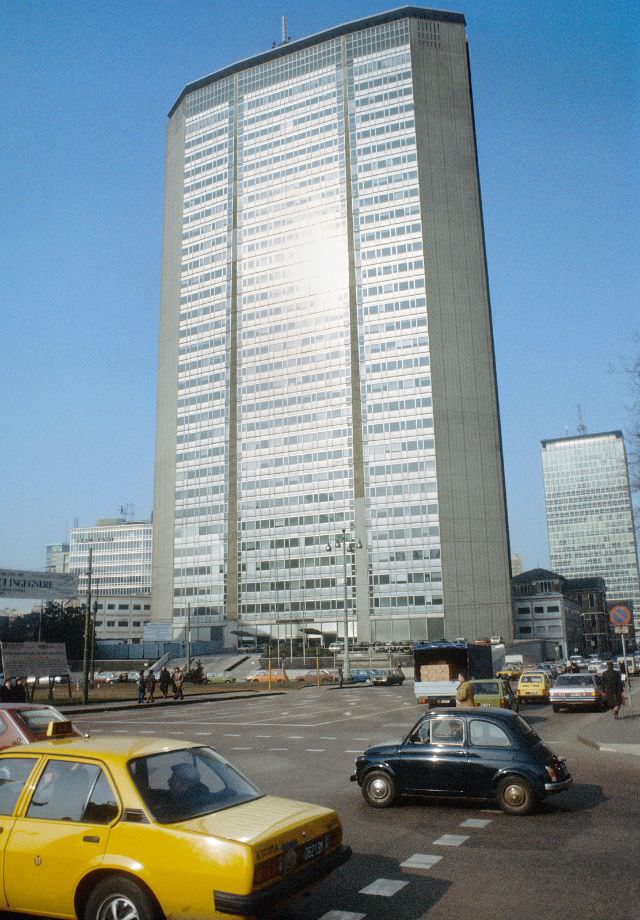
(577, 691)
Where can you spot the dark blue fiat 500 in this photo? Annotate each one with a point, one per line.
(464, 753)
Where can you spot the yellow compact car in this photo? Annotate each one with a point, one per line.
(533, 687)
(124, 827)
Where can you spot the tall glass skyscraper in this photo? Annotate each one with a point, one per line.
(589, 513)
(326, 357)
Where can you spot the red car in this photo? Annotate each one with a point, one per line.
(21, 723)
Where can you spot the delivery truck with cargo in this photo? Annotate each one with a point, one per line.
(438, 664)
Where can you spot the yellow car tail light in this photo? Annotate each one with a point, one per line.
(267, 870)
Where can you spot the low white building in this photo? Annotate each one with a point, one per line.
(120, 575)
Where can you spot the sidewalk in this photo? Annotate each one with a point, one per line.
(615, 736)
(118, 705)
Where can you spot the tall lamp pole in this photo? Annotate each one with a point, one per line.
(87, 632)
(341, 540)
(188, 637)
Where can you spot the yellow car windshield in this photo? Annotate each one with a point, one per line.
(182, 784)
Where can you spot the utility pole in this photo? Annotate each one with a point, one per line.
(87, 632)
(188, 637)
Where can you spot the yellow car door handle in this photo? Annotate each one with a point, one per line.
(90, 839)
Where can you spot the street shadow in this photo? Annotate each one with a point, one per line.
(578, 798)
(342, 891)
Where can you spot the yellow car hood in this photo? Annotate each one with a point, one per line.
(265, 818)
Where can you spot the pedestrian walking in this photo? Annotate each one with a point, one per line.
(142, 685)
(150, 686)
(6, 692)
(178, 680)
(20, 691)
(165, 681)
(464, 692)
(340, 677)
(613, 689)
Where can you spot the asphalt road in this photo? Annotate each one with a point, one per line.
(577, 857)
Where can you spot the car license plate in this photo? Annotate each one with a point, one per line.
(444, 702)
(485, 704)
(311, 850)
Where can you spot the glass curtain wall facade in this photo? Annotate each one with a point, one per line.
(301, 341)
(120, 575)
(590, 515)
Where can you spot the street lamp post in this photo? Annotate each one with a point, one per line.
(351, 546)
(87, 632)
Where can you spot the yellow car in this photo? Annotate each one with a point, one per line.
(126, 827)
(508, 673)
(533, 687)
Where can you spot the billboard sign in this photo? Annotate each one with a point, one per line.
(34, 659)
(158, 631)
(46, 586)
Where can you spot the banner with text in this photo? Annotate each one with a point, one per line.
(46, 586)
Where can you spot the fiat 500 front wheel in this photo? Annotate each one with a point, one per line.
(379, 789)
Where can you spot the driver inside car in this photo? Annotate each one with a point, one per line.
(185, 785)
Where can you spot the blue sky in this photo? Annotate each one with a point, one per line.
(86, 91)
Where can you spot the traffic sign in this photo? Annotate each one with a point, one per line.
(621, 630)
(619, 615)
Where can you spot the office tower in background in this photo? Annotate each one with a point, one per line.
(589, 513)
(326, 357)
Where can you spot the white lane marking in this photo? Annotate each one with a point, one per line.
(420, 861)
(383, 887)
(295, 737)
(315, 750)
(368, 738)
(205, 734)
(327, 738)
(151, 732)
(229, 735)
(621, 748)
(347, 713)
(355, 752)
(476, 822)
(342, 915)
(240, 749)
(450, 840)
(491, 811)
(119, 731)
(263, 736)
(278, 749)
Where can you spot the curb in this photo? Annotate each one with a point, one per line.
(78, 709)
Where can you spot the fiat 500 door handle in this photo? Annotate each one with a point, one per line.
(90, 839)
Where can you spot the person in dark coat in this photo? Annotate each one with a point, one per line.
(142, 685)
(19, 691)
(150, 686)
(165, 681)
(6, 692)
(612, 686)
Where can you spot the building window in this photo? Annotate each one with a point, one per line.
(123, 622)
(136, 623)
(111, 622)
(147, 606)
(123, 606)
(524, 629)
(538, 609)
(111, 606)
(555, 609)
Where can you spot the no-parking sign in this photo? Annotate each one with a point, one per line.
(619, 615)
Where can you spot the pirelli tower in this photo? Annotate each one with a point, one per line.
(328, 440)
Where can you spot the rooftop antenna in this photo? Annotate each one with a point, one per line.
(285, 38)
(582, 428)
(127, 512)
